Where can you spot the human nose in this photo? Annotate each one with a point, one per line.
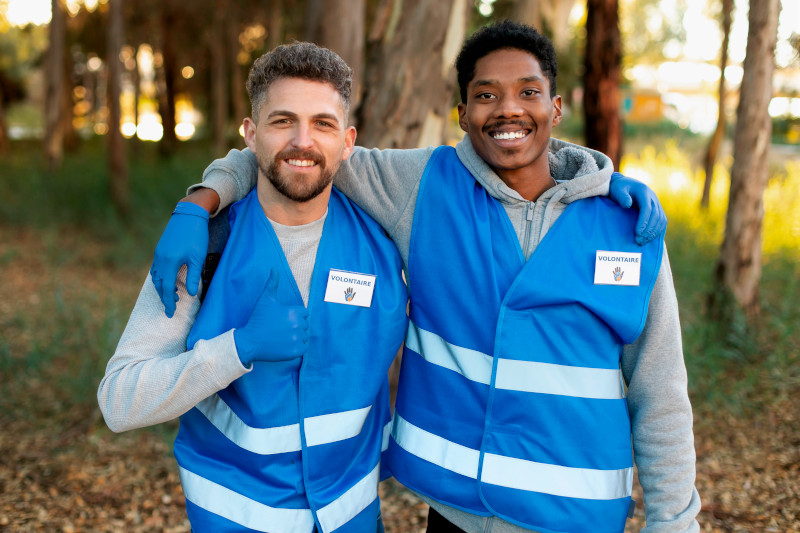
(302, 136)
(508, 106)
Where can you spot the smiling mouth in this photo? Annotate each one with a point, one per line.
(508, 135)
(301, 162)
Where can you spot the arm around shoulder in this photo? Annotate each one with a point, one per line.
(383, 183)
(231, 177)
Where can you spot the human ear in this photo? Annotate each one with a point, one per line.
(462, 116)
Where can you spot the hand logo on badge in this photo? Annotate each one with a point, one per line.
(349, 294)
(618, 273)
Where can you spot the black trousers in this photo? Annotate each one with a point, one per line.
(439, 524)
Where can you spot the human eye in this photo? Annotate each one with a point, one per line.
(531, 92)
(484, 96)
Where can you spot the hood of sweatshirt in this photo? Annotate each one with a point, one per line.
(579, 172)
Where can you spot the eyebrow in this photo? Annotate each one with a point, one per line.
(291, 114)
(526, 79)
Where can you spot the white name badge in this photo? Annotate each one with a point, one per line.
(350, 288)
(617, 268)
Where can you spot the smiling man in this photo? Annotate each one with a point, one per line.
(283, 418)
(534, 367)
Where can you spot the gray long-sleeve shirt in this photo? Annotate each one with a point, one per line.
(153, 378)
(385, 184)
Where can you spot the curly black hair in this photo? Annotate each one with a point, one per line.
(505, 34)
(298, 60)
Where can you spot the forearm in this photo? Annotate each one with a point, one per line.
(152, 378)
(225, 181)
(661, 415)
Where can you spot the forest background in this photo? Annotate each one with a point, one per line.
(109, 109)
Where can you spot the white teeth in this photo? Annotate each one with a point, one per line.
(301, 162)
(509, 135)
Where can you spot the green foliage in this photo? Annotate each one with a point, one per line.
(77, 196)
(21, 50)
(647, 29)
(786, 130)
(733, 364)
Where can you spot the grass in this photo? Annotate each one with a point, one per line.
(74, 267)
(76, 195)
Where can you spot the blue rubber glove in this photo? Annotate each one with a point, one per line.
(274, 332)
(627, 192)
(184, 242)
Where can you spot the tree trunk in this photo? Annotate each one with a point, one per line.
(601, 77)
(166, 89)
(54, 135)
(69, 135)
(219, 81)
(340, 26)
(739, 267)
(529, 12)
(237, 87)
(118, 178)
(719, 133)
(410, 79)
(275, 36)
(137, 96)
(556, 13)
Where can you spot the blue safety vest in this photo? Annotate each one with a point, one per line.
(295, 444)
(511, 399)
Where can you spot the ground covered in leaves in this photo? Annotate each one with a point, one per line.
(61, 470)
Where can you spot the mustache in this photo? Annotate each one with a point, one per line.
(296, 153)
(521, 123)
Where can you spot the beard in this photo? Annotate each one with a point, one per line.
(296, 187)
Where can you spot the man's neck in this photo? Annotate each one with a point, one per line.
(530, 182)
(283, 210)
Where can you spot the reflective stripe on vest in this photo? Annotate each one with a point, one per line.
(319, 430)
(259, 517)
(240, 509)
(516, 375)
(513, 473)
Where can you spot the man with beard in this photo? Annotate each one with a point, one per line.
(280, 376)
(544, 342)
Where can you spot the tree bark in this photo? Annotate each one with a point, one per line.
(219, 80)
(601, 77)
(274, 35)
(739, 266)
(70, 138)
(719, 132)
(556, 13)
(54, 135)
(166, 89)
(340, 26)
(118, 177)
(410, 79)
(529, 12)
(237, 86)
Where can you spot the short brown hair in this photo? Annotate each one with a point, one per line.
(298, 60)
